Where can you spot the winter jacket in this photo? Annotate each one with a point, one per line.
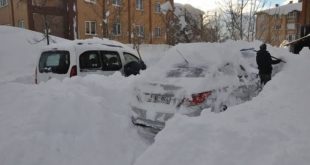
(264, 62)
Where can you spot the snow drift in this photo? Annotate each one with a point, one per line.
(86, 120)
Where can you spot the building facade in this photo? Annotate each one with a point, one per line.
(304, 32)
(279, 24)
(124, 20)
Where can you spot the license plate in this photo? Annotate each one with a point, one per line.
(158, 98)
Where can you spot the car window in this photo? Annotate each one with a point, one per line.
(55, 62)
(130, 57)
(111, 61)
(90, 60)
(185, 70)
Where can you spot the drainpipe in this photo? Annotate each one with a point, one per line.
(129, 22)
(151, 21)
(12, 12)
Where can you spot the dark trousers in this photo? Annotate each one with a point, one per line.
(264, 78)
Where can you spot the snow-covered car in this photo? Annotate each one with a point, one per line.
(191, 78)
(82, 57)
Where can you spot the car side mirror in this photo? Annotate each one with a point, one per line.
(143, 66)
(132, 68)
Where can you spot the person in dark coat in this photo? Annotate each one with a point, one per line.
(265, 62)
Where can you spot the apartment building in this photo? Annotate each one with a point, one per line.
(278, 24)
(122, 20)
(304, 40)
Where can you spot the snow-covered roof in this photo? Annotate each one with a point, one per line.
(189, 8)
(283, 10)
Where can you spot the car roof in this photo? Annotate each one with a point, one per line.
(91, 44)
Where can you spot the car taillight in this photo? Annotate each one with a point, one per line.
(36, 76)
(73, 71)
(198, 98)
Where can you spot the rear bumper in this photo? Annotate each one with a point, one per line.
(139, 117)
(153, 125)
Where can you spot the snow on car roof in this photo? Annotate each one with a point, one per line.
(94, 43)
(211, 56)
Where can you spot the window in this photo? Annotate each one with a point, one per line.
(291, 26)
(140, 30)
(21, 23)
(90, 27)
(117, 28)
(3, 3)
(117, 2)
(157, 7)
(292, 15)
(157, 32)
(99, 60)
(290, 37)
(139, 4)
(90, 60)
(276, 16)
(55, 62)
(110, 61)
(91, 1)
(130, 57)
(277, 27)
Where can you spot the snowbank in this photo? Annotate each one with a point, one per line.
(19, 50)
(72, 122)
(86, 120)
(272, 129)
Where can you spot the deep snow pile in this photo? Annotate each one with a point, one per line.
(272, 129)
(75, 122)
(18, 53)
(87, 120)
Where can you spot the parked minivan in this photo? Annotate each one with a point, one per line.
(82, 57)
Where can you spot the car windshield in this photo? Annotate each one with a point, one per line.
(55, 62)
(185, 70)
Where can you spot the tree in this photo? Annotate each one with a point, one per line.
(239, 17)
(212, 31)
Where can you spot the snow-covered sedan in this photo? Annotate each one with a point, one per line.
(190, 78)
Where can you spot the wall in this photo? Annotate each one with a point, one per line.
(87, 11)
(6, 15)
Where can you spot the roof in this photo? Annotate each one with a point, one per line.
(283, 10)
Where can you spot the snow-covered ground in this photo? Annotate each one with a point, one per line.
(86, 120)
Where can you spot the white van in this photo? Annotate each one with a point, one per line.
(82, 57)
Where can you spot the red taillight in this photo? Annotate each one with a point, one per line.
(36, 76)
(198, 98)
(73, 71)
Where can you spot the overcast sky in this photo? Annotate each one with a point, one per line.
(207, 5)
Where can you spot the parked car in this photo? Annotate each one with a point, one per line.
(82, 57)
(190, 81)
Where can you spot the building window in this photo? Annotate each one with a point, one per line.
(276, 16)
(21, 23)
(291, 26)
(157, 32)
(277, 27)
(290, 37)
(90, 27)
(3, 3)
(292, 15)
(91, 1)
(139, 4)
(116, 29)
(157, 7)
(140, 30)
(116, 2)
